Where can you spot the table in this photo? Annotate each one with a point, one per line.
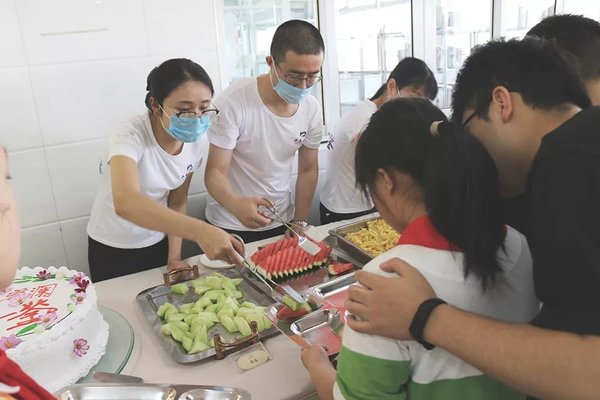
(284, 377)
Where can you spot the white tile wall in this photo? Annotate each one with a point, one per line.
(83, 101)
(31, 182)
(74, 236)
(42, 246)
(12, 50)
(19, 127)
(60, 31)
(74, 176)
(71, 71)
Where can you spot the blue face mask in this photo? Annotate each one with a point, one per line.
(186, 130)
(290, 94)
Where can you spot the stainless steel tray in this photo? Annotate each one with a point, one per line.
(324, 325)
(148, 391)
(347, 246)
(150, 299)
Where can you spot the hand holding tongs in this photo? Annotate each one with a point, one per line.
(277, 290)
(304, 243)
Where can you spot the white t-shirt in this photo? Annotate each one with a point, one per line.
(263, 147)
(339, 193)
(159, 173)
(509, 298)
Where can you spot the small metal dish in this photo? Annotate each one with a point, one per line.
(215, 393)
(115, 391)
(323, 327)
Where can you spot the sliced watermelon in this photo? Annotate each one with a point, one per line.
(285, 313)
(339, 268)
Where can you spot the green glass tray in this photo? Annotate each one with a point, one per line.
(118, 348)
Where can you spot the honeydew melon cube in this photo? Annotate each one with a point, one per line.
(244, 312)
(202, 334)
(196, 309)
(214, 295)
(227, 284)
(170, 311)
(202, 321)
(189, 334)
(162, 309)
(221, 297)
(242, 325)
(211, 342)
(198, 282)
(248, 304)
(188, 320)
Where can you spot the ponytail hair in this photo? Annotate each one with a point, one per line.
(456, 175)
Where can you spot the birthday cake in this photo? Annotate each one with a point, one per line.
(50, 325)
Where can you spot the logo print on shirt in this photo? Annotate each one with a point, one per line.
(301, 138)
(330, 143)
(189, 169)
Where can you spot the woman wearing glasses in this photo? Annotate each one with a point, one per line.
(139, 216)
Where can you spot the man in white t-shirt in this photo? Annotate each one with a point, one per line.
(261, 125)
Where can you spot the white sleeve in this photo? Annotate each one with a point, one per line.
(225, 129)
(126, 141)
(315, 127)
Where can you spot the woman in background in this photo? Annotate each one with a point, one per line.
(339, 198)
(139, 216)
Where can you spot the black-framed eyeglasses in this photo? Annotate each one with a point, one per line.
(209, 113)
(470, 117)
(296, 79)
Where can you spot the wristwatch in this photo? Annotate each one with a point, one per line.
(299, 222)
(417, 326)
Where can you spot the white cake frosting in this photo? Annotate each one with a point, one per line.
(50, 325)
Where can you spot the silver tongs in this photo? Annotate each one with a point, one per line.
(277, 290)
(304, 243)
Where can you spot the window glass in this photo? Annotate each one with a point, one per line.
(518, 16)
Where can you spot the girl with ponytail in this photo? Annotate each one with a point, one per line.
(435, 184)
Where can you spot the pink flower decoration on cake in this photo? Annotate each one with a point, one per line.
(43, 274)
(83, 284)
(47, 319)
(80, 347)
(9, 342)
(78, 298)
(78, 277)
(17, 300)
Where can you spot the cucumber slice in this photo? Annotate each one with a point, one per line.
(267, 321)
(176, 317)
(211, 308)
(180, 325)
(260, 323)
(209, 315)
(180, 288)
(214, 281)
(198, 346)
(177, 333)
(290, 302)
(162, 309)
(204, 302)
(237, 281)
(187, 343)
(166, 329)
(242, 325)
(228, 323)
(226, 311)
(201, 289)
(186, 308)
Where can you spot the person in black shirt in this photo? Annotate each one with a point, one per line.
(529, 108)
(580, 36)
